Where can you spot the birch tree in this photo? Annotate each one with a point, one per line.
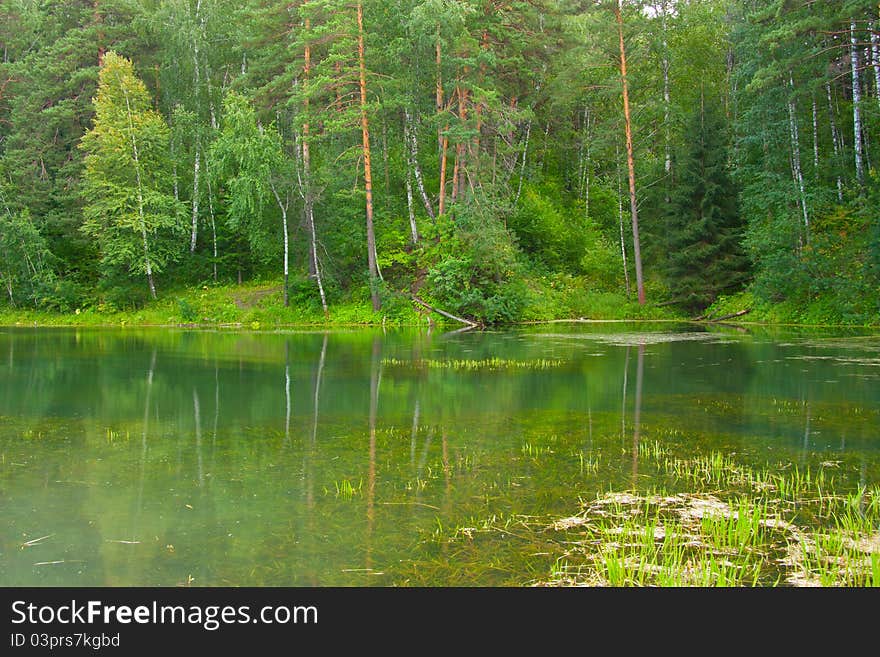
(130, 210)
(257, 177)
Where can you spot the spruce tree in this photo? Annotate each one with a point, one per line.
(704, 227)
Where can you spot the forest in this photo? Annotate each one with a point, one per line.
(502, 161)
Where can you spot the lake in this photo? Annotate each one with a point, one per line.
(164, 457)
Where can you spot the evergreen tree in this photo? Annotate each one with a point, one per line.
(704, 228)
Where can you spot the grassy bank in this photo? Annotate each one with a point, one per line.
(821, 311)
(260, 304)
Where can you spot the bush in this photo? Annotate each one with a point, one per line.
(474, 267)
(187, 312)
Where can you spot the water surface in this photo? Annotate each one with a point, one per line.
(173, 457)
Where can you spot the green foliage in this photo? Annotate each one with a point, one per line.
(474, 268)
(529, 98)
(548, 232)
(602, 263)
(704, 229)
(129, 209)
(187, 312)
(25, 271)
(249, 159)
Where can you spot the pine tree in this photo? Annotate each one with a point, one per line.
(704, 228)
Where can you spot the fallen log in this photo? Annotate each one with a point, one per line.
(730, 316)
(467, 322)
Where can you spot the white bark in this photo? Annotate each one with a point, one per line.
(314, 249)
(857, 99)
(194, 235)
(835, 142)
(140, 198)
(815, 140)
(796, 170)
(413, 158)
(522, 169)
(667, 163)
(875, 60)
(620, 221)
(413, 228)
(283, 207)
(211, 214)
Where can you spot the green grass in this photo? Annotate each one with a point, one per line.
(255, 305)
(475, 364)
(816, 312)
(736, 526)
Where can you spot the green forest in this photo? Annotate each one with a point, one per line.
(326, 161)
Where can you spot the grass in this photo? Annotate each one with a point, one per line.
(769, 527)
(475, 364)
(347, 490)
(259, 304)
(820, 311)
(254, 305)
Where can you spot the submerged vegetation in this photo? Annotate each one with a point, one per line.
(481, 364)
(735, 526)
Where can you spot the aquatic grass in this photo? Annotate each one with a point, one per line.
(653, 450)
(535, 451)
(739, 526)
(740, 529)
(348, 490)
(476, 364)
(586, 463)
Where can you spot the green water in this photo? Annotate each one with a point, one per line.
(170, 457)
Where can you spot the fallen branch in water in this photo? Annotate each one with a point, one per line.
(730, 316)
(36, 541)
(468, 322)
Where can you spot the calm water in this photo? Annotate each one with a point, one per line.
(167, 457)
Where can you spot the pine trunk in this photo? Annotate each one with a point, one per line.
(368, 171)
(633, 203)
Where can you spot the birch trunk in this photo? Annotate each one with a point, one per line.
(522, 169)
(308, 196)
(213, 220)
(835, 142)
(667, 161)
(148, 267)
(620, 222)
(194, 234)
(815, 139)
(413, 159)
(857, 99)
(796, 170)
(195, 199)
(875, 60)
(413, 228)
(283, 207)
